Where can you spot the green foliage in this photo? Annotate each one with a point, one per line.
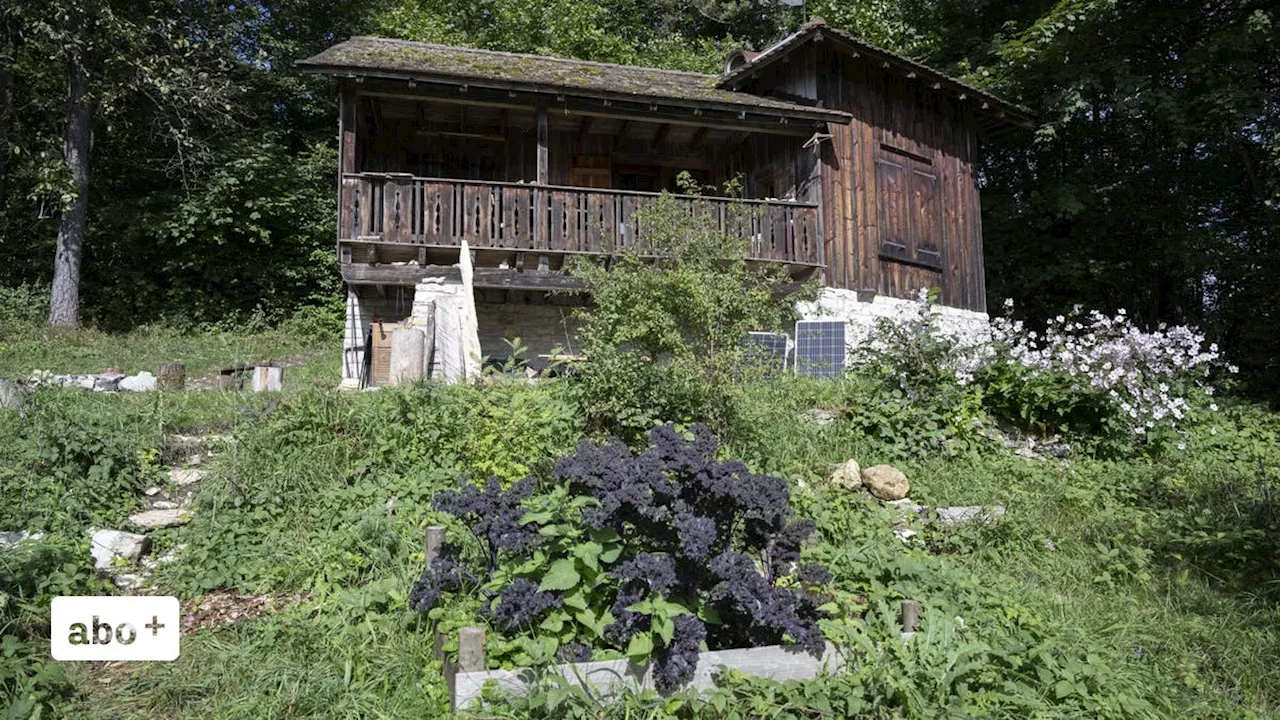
(329, 488)
(21, 307)
(70, 462)
(664, 338)
(31, 575)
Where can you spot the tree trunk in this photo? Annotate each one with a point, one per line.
(7, 51)
(64, 299)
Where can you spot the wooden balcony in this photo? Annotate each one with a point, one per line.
(514, 219)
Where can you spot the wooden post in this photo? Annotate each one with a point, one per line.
(171, 376)
(470, 649)
(347, 220)
(911, 610)
(542, 173)
(544, 140)
(435, 541)
(267, 378)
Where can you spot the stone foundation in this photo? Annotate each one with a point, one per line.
(860, 316)
(543, 322)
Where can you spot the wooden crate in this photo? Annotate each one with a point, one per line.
(380, 368)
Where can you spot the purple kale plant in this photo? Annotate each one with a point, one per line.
(675, 664)
(696, 527)
(493, 514)
(694, 536)
(444, 574)
(521, 605)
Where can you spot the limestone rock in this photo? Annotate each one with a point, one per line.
(164, 505)
(1055, 449)
(11, 395)
(963, 514)
(156, 519)
(186, 476)
(126, 581)
(908, 507)
(107, 545)
(818, 416)
(886, 482)
(848, 475)
(108, 382)
(151, 491)
(142, 382)
(13, 537)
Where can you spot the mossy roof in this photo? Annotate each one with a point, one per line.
(382, 56)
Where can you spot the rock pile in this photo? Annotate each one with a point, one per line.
(890, 485)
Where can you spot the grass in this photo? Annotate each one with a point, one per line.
(301, 342)
(1160, 568)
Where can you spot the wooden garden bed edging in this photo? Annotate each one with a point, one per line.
(776, 662)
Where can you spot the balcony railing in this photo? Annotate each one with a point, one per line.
(433, 212)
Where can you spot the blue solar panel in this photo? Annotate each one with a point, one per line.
(767, 349)
(820, 348)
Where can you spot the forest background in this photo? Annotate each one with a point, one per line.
(206, 167)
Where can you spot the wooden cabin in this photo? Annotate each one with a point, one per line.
(858, 166)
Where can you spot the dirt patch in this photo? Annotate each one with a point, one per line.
(222, 608)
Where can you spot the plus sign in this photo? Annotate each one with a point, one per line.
(154, 626)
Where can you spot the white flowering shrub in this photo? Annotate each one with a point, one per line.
(1085, 372)
(914, 351)
(1090, 363)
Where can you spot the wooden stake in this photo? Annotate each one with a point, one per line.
(435, 541)
(911, 610)
(470, 649)
(171, 376)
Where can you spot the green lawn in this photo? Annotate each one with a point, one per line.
(1131, 586)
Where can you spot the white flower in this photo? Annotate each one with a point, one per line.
(1233, 369)
(1213, 407)
(1008, 302)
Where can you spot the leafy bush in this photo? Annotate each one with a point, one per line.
(70, 462)
(1090, 372)
(1087, 374)
(22, 307)
(32, 574)
(652, 555)
(664, 338)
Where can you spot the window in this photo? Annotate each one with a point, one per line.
(908, 207)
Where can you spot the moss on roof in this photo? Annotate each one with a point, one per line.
(425, 60)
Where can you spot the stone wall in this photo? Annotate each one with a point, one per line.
(545, 322)
(860, 316)
(541, 327)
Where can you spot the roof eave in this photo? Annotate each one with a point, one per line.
(312, 67)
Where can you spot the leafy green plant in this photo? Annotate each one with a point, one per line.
(70, 462)
(652, 556)
(664, 337)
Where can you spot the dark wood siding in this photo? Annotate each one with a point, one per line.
(900, 196)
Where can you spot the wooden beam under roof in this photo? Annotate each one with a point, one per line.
(744, 118)
(483, 277)
(659, 135)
